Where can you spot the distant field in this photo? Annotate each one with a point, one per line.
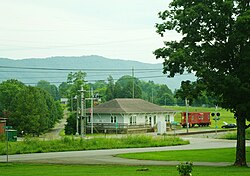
(112, 170)
(225, 116)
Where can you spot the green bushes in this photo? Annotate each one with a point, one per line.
(33, 145)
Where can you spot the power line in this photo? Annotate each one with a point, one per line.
(74, 69)
(91, 81)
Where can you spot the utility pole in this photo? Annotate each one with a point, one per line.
(92, 98)
(152, 96)
(92, 104)
(133, 74)
(186, 101)
(77, 116)
(82, 112)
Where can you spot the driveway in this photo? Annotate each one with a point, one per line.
(107, 156)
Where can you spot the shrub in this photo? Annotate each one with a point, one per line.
(185, 169)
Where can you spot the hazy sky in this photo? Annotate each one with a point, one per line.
(118, 29)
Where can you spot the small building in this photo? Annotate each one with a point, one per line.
(129, 115)
(64, 101)
(2, 124)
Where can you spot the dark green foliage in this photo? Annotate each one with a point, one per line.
(63, 89)
(110, 90)
(124, 87)
(8, 91)
(70, 127)
(215, 45)
(52, 89)
(30, 110)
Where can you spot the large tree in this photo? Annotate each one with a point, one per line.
(126, 86)
(215, 45)
(52, 89)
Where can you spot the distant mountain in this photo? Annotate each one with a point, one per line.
(56, 69)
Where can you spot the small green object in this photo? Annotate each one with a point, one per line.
(116, 125)
(12, 135)
(7, 127)
(174, 123)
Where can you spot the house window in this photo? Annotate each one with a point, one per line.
(167, 118)
(150, 120)
(132, 120)
(113, 119)
(89, 119)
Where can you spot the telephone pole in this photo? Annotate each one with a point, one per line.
(186, 101)
(77, 116)
(133, 74)
(92, 104)
(82, 112)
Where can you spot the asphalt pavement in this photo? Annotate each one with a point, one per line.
(108, 156)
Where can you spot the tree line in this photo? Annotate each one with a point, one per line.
(128, 87)
(30, 110)
(35, 109)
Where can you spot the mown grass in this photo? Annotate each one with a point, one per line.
(110, 170)
(201, 155)
(31, 145)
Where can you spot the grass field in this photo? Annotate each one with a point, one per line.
(208, 155)
(114, 170)
(31, 145)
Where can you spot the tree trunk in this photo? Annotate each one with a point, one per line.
(241, 142)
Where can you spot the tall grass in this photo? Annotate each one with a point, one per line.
(233, 135)
(31, 145)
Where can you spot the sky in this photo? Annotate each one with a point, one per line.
(116, 29)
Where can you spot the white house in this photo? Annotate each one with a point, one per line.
(127, 115)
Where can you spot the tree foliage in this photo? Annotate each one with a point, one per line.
(28, 109)
(125, 85)
(215, 45)
(52, 89)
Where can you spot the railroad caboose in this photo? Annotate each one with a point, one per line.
(196, 118)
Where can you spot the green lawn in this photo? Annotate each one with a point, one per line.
(116, 170)
(209, 155)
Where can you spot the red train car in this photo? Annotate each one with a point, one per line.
(196, 118)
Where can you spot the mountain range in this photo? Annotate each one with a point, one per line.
(56, 69)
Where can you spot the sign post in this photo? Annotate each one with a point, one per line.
(216, 119)
(7, 141)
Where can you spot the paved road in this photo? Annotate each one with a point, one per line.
(107, 156)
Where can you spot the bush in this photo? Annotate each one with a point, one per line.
(185, 169)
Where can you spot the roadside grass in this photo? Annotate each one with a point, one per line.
(110, 170)
(33, 145)
(233, 135)
(201, 155)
